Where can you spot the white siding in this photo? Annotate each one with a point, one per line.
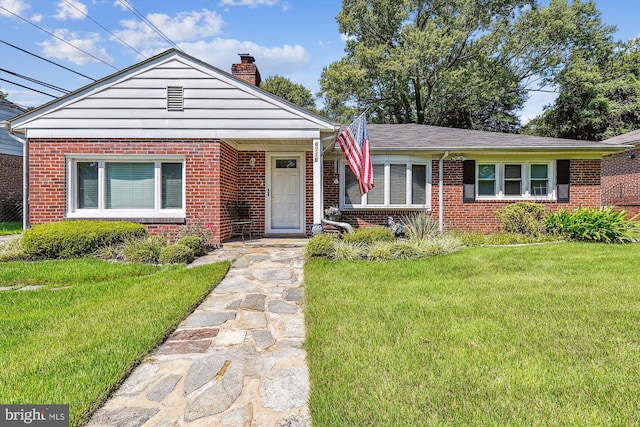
(135, 105)
(9, 145)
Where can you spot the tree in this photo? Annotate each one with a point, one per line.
(599, 96)
(292, 92)
(461, 63)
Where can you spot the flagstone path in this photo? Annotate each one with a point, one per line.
(237, 360)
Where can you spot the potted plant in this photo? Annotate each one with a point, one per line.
(332, 213)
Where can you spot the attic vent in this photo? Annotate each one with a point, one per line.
(175, 98)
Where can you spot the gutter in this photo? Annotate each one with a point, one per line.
(441, 192)
(25, 172)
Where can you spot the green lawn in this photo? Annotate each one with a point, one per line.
(74, 345)
(535, 335)
(7, 228)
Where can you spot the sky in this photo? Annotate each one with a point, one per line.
(291, 38)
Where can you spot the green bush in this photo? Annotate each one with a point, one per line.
(195, 243)
(12, 251)
(146, 250)
(597, 225)
(345, 251)
(522, 218)
(478, 239)
(321, 245)
(420, 226)
(380, 251)
(74, 239)
(368, 235)
(176, 254)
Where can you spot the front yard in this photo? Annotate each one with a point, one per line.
(533, 335)
(86, 325)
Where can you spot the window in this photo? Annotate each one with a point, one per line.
(112, 188)
(514, 180)
(398, 182)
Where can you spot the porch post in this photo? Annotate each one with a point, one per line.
(318, 203)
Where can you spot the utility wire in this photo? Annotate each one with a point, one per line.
(99, 25)
(36, 81)
(144, 20)
(45, 59)
(27, 87)
(59, 38)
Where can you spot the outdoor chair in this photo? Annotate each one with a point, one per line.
(241, 222)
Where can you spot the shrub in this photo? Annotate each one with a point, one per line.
(597, 225)
(522, 218)
(478, 239)
(380, 251)
(321, 245)
(146, 250)
(74, 239)
(345, 251)
(195, 243)
(12, 251)
(205, 232)
(368, 235)
(176, 254)
(419, 226)
(406, 250)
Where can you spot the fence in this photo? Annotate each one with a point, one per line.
(10, 210)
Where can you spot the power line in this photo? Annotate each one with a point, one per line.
(59, 38)
(45, 59)
(27, 87)
(36, 81)
(144, 20)
(99, 25)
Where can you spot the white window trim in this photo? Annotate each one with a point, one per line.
(387, 161)
(101, 212)
(525, 180)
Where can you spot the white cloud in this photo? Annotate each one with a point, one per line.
(91, 43)
(282, 60)
(249, 3)
(185, 26)
(15, 6)
(120, 5)
(36, 18)
(71, 9)
(26, 98)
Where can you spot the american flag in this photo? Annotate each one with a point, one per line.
(354, 143)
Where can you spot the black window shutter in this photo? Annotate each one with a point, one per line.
(469, 181)
(563, 179)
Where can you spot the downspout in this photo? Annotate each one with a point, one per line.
(25, 173)
(441, 192)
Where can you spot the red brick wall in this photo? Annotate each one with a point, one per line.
(308, 191)
(621, 181)
(471, 216)
(251, 186)
(47, 175)
(10, 177)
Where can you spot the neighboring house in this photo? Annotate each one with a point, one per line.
(10, 166)
(173, 140)
(621, 174)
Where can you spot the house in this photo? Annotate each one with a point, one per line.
(10, 167)
(621, 174)
(173, 140)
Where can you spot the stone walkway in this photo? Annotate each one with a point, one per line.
(237, 360)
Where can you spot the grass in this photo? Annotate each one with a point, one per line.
(532, 335)
(7, 228)
(75, 345)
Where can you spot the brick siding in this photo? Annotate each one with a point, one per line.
(476, 216)
(621, 181)
(48, 187)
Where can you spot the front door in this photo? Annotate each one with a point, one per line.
(285, 194)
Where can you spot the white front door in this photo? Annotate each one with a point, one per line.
(285, 194)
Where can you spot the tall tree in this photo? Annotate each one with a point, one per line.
(461, 63)
(599, 96)
(292, 92)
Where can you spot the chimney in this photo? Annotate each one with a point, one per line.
(246, 70)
